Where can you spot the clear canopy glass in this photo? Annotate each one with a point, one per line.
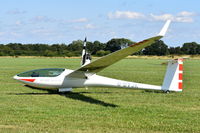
(48, 72)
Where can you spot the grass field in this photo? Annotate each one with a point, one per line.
(97, 110)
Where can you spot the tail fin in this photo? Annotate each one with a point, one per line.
(173, 80)
(86, 58)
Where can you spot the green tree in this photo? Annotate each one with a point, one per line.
(49, 53)
(94, 47)
(102, 53)
(175, 50)
(76, 46)
(117, 43)
(158, 48)
(191, 48)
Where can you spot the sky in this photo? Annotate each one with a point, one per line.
(63, 21)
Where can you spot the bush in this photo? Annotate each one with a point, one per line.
(102, 53)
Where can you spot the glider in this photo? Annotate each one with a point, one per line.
(85, 76)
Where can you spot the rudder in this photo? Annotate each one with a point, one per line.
(173, 80)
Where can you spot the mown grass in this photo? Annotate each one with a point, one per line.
(23, 109)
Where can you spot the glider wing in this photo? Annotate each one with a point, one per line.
(101, 63)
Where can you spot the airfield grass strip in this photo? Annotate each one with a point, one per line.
(99, 109)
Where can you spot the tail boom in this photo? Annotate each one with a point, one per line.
(97, 80)
(172, 82)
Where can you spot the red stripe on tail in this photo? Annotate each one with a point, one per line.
(180, 67)
(180, 85)
(180, 76)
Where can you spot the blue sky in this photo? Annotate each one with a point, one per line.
(62, 21)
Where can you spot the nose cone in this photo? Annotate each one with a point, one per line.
(16, 77)
(24, 79)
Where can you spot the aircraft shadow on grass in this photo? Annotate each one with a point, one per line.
(73, 95)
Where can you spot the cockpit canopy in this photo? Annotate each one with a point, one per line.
(48, 72)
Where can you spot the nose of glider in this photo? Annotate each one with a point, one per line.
(24, 80)
(16, 77)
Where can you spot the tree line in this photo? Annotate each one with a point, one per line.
(96, 48)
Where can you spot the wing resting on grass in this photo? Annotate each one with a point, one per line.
(101, 63)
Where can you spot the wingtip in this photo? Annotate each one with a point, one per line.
(165, 28)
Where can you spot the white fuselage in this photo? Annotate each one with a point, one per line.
(62, 81)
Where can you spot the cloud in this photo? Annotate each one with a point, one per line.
(186, 14)
(10, 34)
(2, 33)
(80, 20)
(162, 17)
(18, 23)
(89, 26)
(16, 12)
(84, 27)
(43, 32)
(42, 19)
(125, 14)
(15, 34)
(184, 17)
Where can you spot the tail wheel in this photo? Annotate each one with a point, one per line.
(167, 91)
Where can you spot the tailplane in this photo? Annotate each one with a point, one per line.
(173, 80)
